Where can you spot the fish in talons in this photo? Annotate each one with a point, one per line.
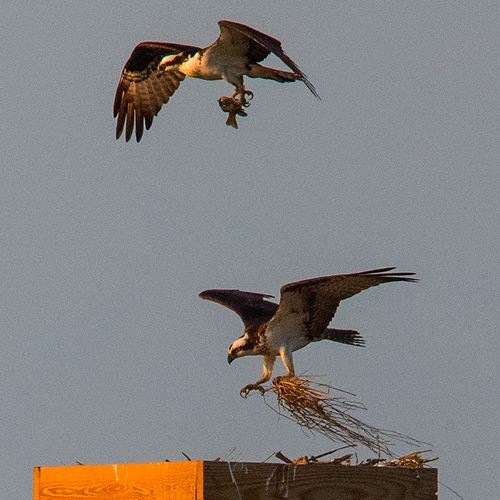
(233, 105)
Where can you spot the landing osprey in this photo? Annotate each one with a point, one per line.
(302, 316)
(154, 70)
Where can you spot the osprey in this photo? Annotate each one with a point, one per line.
(154, 70)
(306, 308)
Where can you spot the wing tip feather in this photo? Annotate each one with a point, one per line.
(384, 273)
(311, 87)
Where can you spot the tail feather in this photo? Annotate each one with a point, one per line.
(350, 337)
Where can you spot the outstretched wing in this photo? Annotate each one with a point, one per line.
(144, 88)
(309, 305)
(238, 39)
(251, 307)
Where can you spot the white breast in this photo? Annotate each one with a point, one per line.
(199, 66)
(286, 332)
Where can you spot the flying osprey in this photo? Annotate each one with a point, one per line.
(302, 316)
(154, 70)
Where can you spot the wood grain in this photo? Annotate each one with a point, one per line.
(232, 481)
(251, 481)
(152, 481)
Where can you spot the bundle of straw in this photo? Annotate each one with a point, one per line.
(313, 406)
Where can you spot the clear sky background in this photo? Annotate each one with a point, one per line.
(107, 354)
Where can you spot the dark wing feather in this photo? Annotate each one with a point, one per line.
(251, 307)
(311, 304)
(257, 46)
(144, 88)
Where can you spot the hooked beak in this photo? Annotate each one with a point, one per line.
(230, 358)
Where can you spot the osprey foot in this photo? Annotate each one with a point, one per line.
(243, 100)
(240, 97)
(251, 387)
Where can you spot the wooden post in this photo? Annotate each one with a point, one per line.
(152, 481)
(232, 481)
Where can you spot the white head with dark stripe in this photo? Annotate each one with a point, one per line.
(246, 345)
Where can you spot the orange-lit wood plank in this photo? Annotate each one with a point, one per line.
(151, 481)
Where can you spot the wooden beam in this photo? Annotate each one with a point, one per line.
(152, 481)
(252, 481)
(232, 481)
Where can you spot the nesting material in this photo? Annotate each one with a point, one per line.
(342, 460)
(413, 460)
(314, 407)
(410, 461)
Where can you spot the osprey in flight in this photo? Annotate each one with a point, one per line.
(302, 316)
(154, 70)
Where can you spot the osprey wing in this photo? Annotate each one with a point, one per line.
(311, 304)
(251, 307)
(256, 46)
(144, 87)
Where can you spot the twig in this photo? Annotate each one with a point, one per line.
(311, 405)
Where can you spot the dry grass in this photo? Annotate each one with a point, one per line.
(411, 461)
(313, 406)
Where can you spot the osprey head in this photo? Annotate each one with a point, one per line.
(239, 348)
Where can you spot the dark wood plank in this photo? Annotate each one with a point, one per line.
(252, 481)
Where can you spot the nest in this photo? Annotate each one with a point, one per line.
(313, 406)
(413, 460)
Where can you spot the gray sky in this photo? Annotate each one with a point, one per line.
(107, 353)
